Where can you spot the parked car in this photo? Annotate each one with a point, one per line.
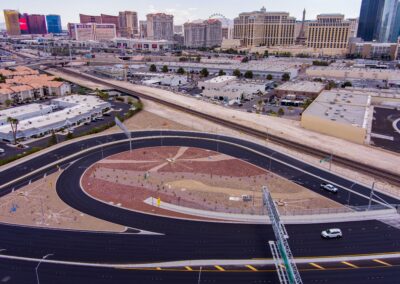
(332, 234)
(2, 151)
(329, 187)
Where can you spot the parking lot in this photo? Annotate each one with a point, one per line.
(385, 127)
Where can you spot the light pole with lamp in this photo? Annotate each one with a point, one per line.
(348, 198)
(37, 266)
(270, 160)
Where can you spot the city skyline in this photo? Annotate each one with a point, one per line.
(184, 11)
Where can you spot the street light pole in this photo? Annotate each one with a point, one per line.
(348, 198)
(198, 281)
(270, 160)
(370, 196)
(37, 266)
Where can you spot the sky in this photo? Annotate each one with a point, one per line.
(183, 10)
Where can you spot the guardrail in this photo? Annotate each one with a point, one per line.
(368, 169)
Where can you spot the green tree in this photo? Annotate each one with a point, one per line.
(181, 71)
(221, 73)
(164, 69)
(347, 84)
(204, 72)
(266, 54)
(286, 77)
(103, 95)
(248, 74)
(331, 85)
(14, 127)
(153, 68)
(69, 136)
(7, 102)
(269, 77)
(198, 58)
(307, 103)
(281, 112)
(2, 78)
(53, 139)
(237, 73)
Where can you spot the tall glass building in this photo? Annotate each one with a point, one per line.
(54, 24)
(379, 20)
(370, 16)
(386, 29)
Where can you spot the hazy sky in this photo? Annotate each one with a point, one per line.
(183, 10)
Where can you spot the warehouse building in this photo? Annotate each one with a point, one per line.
(300, 89)
(340, 113)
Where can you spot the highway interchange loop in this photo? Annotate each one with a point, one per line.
(179, 239)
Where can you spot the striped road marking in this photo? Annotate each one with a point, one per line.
(382, 262)
(251, 267)
(350, 264)
(188, 268)
(219, 268)
(317, 266)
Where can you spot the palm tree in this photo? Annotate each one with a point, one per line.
(14, 127)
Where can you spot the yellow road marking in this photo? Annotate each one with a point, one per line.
(350, 264)
(281, 265)
(158, 268)
(382, 262)
(189, 268)
(219, 268)
(317, 266)
(251, 267)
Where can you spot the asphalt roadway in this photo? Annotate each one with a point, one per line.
(179, 239)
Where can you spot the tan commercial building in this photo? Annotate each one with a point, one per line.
(374, 50)
(300, 88)
(92, 31)
(12, 22)
(128, 24)
(329, 31)
(160, 26)
(264, 28)
(340, 113)
(354, 73)
(203, 33)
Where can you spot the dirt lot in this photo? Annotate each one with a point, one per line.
(195, 178)
(39, 205)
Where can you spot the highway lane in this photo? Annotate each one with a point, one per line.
(184, 239)
(308, 181)
(24, 272)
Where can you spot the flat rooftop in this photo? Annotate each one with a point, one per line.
(341, 106)
(302, 86)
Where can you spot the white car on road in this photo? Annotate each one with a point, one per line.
(329, 187)
(332, 234)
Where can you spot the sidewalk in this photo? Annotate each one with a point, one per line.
(264, 219)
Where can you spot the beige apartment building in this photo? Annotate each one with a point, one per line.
(160, 26)
(128, 24)
(203, 33)
(329, 31)
(260, 28)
